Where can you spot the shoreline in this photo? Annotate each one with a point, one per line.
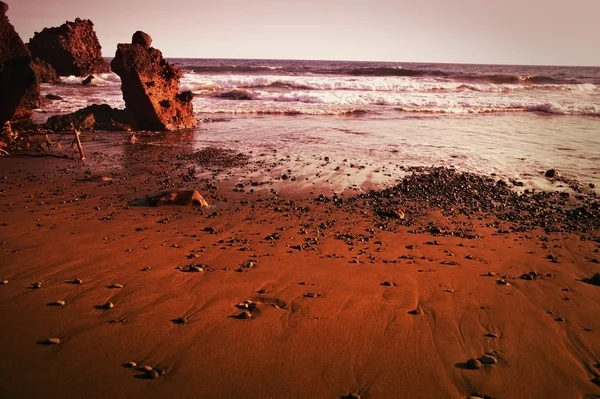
(346, 296)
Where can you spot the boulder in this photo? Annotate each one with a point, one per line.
(44, 72)
(72, 48)
(142, 39)
(94, 117)
(19, 88)
(150, 88)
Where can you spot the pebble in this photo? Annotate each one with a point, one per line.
(491, 335)
(115, 286)
(130, 364)
(180, 320)
(52, 341)
(244, 314)
(386, 284)
(152, 374)
(353, 395)
(77, 281)
(473, 364)
(146, 368)
(59, 303)
(108, 305)
(416, 312)
(4, 282)
(37, 284)
(502, 282)
(146, 269)
(487, 359)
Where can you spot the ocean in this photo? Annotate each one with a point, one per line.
(512, 121)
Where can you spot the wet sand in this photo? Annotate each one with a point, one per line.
(282, 290)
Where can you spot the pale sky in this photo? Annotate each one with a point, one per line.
(551, 32)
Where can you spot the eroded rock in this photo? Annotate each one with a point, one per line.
(19, 87)
(150, 87)
(72, 48)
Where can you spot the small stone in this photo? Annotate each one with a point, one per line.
(558, 318)
(488, 359)
(141, 38)
(146, 368)
(131, 365)
(502, 282)
(473, 364)
(551, 173)
(152, 374)
(77, 281)
(244, 314)
(59, 303)
(353, 395)
(416, 312)
(4, 282)
(115, 286)
(36, 285)
(491, 335)
(146, 268)
(52, 341)
(180, 320)
(108, 305)
(386, 284)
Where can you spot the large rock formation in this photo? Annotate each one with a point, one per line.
(44, 72)
(150, 87)
(19, 88)
(71, 49)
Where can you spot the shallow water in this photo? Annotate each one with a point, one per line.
(514, 121)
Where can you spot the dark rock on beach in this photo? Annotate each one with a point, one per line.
(19, 87)
(150, 87)
(72, 48)
(94, 117)
(87, 80)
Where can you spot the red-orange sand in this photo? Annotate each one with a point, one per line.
(323, 326)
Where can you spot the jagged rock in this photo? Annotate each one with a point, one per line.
(142, 39)
(94, 117)
(44, 72)
(19, 88)
(72, 48)
(150, 88)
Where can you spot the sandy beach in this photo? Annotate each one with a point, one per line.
(279, 290)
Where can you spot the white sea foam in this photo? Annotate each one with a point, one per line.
(102, 79)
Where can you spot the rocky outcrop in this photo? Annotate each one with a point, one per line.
(72, 48)
(19, 88)
(94, 117)
(150, 87)
(44, 72)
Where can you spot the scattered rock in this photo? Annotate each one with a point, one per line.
(180, 320)
(244, 314)
(152, 374)
(107, 305)
(491, 335)
(416, 312)
(3, 282)
(58, 303)
(150, 88)
(594, 280)
(54, 97)
(551, 173)
(473, 364)
(130, 365)
(115, 286)
(72, 48)
(488, 359)
(36, 285)
(52, 341)
(76, 281)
